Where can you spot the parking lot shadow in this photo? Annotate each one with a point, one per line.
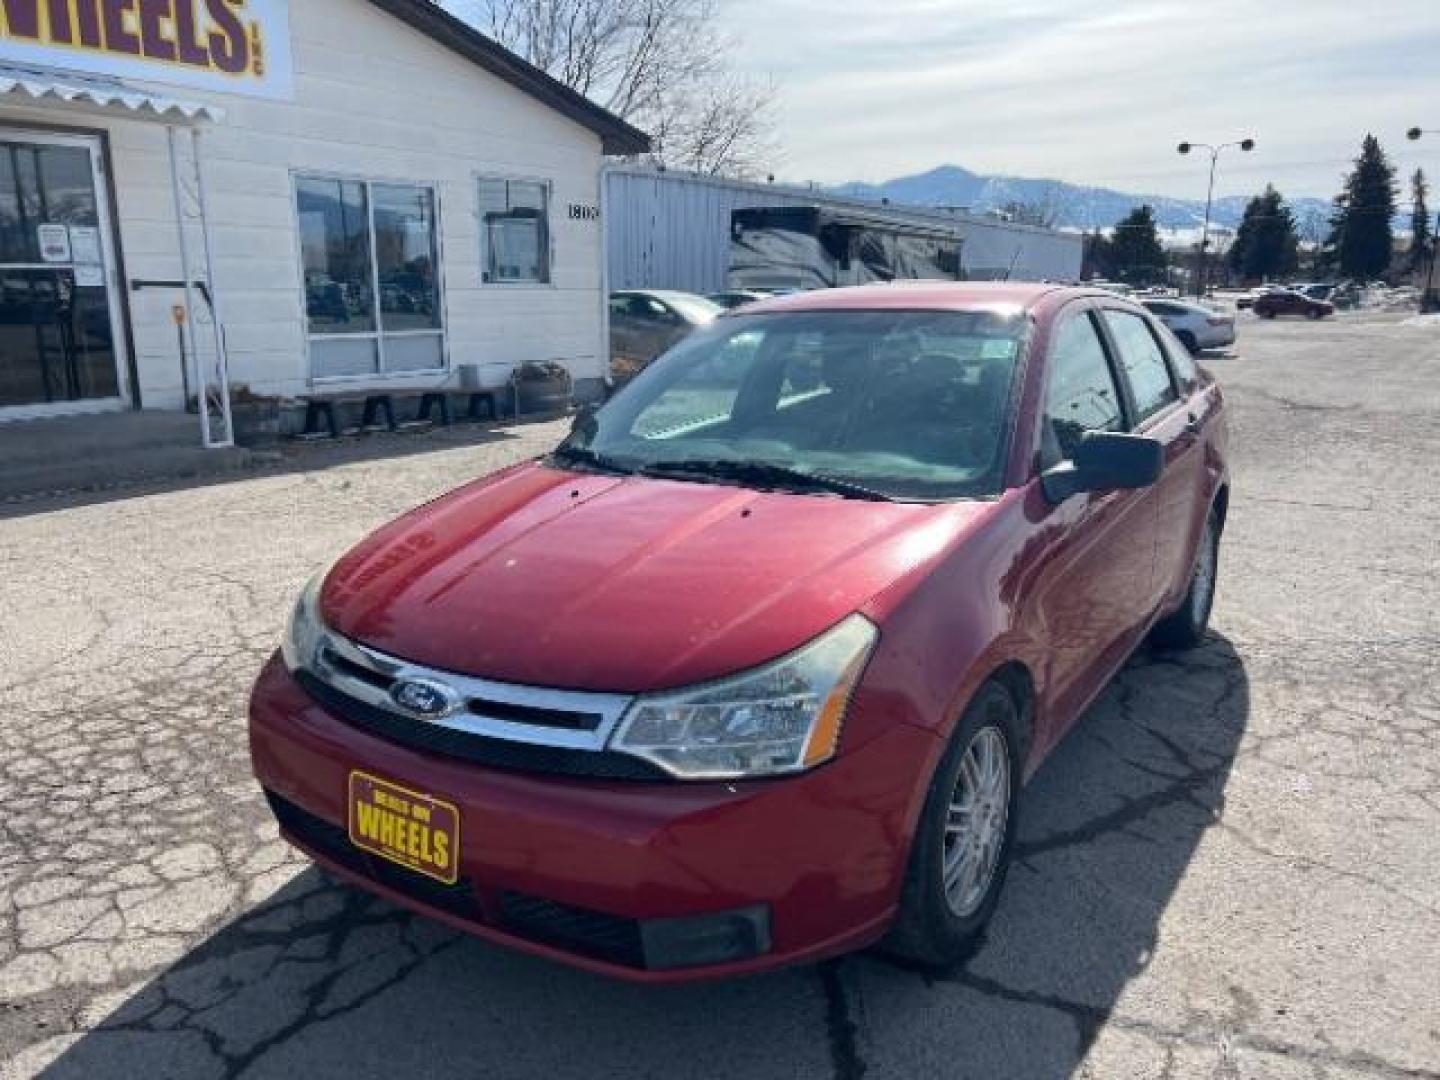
(1109, 827)
(322, 980)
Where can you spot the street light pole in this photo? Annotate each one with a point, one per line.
(1430, 298)
(1246, 145)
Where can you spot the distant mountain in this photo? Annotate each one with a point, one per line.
(1074, 206)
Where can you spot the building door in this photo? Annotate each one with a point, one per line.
(60, 345)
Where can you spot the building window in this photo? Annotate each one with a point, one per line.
(515, 231)
(372, 288)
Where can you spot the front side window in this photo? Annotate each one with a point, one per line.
(907, 404)
(515, 231)
(1182, 362)
(370, 260)
(1080, 394)
(1142, 361)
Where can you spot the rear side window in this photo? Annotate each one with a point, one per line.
(1142, 361)
(1081, 394)
(1181, 362)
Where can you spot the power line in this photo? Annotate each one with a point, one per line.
(1239, 166)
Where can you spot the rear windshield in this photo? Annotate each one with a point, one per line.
(912, 404)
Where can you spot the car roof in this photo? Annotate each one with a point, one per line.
(925, 296)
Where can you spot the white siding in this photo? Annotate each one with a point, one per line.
(672, 231)
(374, 99)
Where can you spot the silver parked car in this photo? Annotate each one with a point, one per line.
(1197, 326)
(646, 322)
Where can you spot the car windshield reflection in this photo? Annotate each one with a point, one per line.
(904, 405)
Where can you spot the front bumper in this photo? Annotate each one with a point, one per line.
(584, 869)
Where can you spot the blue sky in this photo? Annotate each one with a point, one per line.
(1093, 91)
(1096, 92)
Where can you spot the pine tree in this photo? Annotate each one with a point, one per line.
(1267, 244)
(1421, 236)
(1327, 257)
(1135, 252)
(1361, 233)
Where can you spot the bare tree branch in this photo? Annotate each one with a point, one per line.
(663, 65)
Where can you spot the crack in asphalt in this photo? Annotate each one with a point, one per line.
(1200, 1031)
(840, 1030)
(144, 894)
(326, 963)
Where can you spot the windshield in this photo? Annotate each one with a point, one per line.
(903, 405)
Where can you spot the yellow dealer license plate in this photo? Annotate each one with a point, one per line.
(420, 832)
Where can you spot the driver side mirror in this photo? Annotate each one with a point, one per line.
(1105, 461)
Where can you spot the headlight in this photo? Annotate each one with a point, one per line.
(784, 717)
(305, 631)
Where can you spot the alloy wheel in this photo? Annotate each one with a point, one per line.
(1202, 589)
(975, 825)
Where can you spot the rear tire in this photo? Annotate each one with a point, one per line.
(1315, 313)
(1186, 627)
(946, 901)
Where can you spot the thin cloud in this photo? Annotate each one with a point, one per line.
(1095, 94)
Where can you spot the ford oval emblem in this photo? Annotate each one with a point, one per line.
(421, 697)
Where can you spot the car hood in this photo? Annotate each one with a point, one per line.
(553, 578)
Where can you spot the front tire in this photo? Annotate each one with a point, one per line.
(1186, 628)
(962, 847)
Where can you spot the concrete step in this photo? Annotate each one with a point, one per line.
(99, 435)
(75, 454)
(35, 480)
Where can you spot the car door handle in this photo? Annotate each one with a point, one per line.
(1194, 425)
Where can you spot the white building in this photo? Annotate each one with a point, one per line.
(372, 194)
(671, 230)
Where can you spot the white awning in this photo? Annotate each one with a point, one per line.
(101, 92)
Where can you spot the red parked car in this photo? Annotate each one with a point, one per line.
(1290, 302)
(751, 670)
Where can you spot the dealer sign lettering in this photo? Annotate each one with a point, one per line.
(418, 831)
(234, 46)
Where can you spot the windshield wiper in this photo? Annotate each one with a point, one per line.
(760, 473)
(584, 456)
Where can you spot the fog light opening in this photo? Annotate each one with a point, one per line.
(699, 940)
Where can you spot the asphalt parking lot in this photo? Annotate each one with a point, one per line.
(1230, 869)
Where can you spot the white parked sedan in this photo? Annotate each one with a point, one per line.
(1198, 327)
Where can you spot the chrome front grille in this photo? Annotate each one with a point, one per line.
(568, 719)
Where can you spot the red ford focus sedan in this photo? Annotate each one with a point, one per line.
(751, 670)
